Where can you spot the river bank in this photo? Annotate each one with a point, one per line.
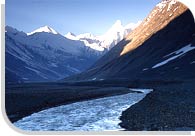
(167, 108)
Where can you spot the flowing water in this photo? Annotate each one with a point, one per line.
(94, 115)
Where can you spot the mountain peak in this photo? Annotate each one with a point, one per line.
(116, 27)
(118, 23)
(45, 29)
(10, 29)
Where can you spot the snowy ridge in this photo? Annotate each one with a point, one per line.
(108, 40)
(45, 29)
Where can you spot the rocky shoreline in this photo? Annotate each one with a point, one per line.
(167, 108)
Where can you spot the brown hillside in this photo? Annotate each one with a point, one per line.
(158, 18)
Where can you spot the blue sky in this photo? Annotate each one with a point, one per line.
(77, 16)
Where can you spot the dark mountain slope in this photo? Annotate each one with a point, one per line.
(169, 28)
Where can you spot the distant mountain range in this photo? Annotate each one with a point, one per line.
(108, 40)
(46, 55)
(162, 47)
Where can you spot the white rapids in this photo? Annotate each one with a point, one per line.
(93, 115)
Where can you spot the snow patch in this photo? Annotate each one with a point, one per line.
(193, 62)
(164, 3)
(170, 14)
(146, 91)
(94, 78)
(175, 9)
(161, 5)
(144, 69)
(170, 4)
(178, 53)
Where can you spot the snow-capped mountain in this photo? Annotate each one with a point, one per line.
(44, 55)
(162, 47)
(115, 34)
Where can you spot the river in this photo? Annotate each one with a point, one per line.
(93, 115)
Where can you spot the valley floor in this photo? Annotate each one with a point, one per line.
(171, 106)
